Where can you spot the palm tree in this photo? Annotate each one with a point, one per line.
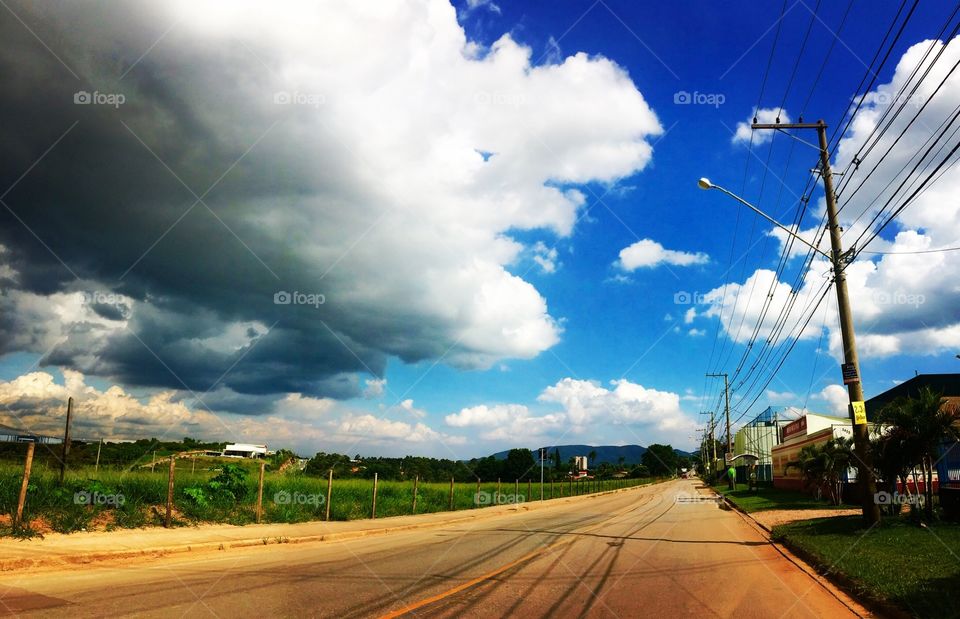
(891, 456)
(824, 465)
(920, 425)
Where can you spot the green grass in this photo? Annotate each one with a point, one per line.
(915, 568)
(286, 497)
(768, 497)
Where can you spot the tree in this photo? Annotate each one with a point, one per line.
(518, 464)
(592, 457)
(640, 472)
(823, 466)
(918, 426)
(660, 460)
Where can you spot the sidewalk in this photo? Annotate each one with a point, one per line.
(57, 550)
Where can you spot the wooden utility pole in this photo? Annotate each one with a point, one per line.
(451, 494)
(169, 516)
(726, 399)
(21, 501)
(851, 367)
(373, 511)
(96, 467)
(263, 466)
(65, 451)
(416, 482)
(329, 490)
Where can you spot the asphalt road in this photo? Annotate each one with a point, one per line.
(656, 551)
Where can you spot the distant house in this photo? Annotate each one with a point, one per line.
(244, 450)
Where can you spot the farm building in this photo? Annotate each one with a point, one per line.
(9, 434)
(244, 450)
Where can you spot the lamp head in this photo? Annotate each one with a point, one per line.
(704, 183)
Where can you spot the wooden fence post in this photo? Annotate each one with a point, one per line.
(373, 511)
(193, 464)
(263, 466)
(27, 464)
(169, 517)
(476, 497)
(516, 489)
(96, 466)
(451, 494)
(496, 497)
(529, 489)
(65, 451)
(329, 497)
(416, 482)
(551, 488)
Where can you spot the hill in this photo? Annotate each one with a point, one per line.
(605, 453)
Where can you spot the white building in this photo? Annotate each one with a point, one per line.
(580, 463)
(245, 450)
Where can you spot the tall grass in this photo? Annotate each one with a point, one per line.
(128, 499)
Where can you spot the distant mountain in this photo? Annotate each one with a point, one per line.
(605, 453)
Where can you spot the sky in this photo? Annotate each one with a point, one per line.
(411, 227)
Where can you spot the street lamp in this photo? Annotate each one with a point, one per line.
(704, 183)
(851, 372)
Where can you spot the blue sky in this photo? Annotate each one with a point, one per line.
(706, 48)
(607, 323)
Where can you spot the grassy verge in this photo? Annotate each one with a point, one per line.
(105, 499)
(915, 568)
(767, 498)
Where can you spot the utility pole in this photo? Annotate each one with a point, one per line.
(851, 374)
(65, 451)
(726, 400)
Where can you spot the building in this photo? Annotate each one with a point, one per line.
(946, 478)
(758, 438)
(244, 450)
(580, 463)
(10, 434)
(811, 429)
(946, 384)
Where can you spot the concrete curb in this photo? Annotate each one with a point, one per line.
(54, 561)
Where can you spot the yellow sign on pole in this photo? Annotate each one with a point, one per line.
(859, 413)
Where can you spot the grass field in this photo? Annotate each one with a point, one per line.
(767, 498)
(913, 567)
(110, 499)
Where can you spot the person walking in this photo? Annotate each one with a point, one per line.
(732, 478)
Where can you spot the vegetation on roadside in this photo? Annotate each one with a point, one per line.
(768, 498)
(823, 466)
(917, 568)
(216, 490)
(908, 439)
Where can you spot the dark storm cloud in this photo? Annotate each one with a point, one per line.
(102, 207)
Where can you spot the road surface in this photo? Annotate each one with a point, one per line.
(649, 552)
